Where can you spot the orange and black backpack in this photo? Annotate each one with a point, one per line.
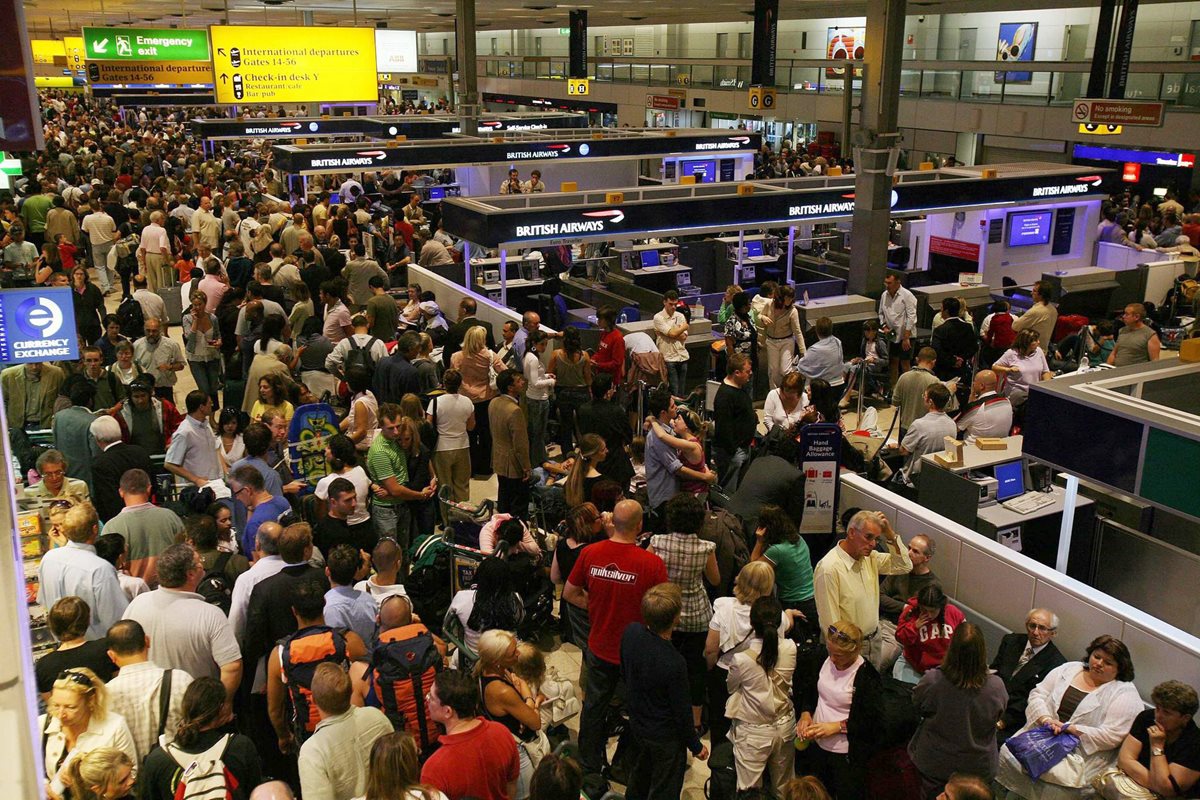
(301, 654)
(404, 663)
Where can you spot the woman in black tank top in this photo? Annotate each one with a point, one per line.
(504, 697)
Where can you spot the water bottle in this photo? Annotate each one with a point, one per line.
(621, 320)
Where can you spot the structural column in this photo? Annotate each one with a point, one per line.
(464, 47)
(880, 100)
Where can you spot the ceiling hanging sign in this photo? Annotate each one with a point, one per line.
(133, 72)
(145, 44)
(1090, 111)
(395, 51)
(266, 64)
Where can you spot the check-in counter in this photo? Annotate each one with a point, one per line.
(1083, 290)
(699, 345)
(929, 299)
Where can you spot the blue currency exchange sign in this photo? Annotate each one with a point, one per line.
(37, 325)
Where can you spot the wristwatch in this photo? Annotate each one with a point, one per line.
(1157, 751)
(842, 726)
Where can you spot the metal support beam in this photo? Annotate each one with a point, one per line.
(1068, 523)
(464, 47)
(873, 186)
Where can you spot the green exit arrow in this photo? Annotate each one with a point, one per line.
(145, 44)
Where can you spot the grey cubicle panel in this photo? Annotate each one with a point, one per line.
(1135, 567)
(1003, 585)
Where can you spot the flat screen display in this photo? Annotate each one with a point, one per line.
(1026, 228)
(705, 171)
(1010, 480)
(754, 248)
(437, 192)
(650, 258)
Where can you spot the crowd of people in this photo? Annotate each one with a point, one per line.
(225, 627)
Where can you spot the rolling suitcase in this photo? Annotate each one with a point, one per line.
(173, 299)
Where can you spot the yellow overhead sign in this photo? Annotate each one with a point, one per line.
(45, 50)
(75, 53)
(53, 81)
(171, 72)
(269, 64)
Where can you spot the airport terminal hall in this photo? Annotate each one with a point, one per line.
(625, 400)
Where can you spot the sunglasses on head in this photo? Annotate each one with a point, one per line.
(76, 677)
(833, 633)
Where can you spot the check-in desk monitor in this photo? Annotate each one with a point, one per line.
(651, 258)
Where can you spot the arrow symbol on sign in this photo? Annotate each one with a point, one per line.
(849, 196)
(566, 148)
(224, 78)
(742, 139)
(1094, 180)
(101, 46)
(221, 51)
(615, 215)
(379, 154)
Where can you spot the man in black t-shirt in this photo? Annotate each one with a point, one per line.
(735, 419)
(335, 529)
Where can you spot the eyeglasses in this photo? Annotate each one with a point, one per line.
(77, 678)
(1038, 628)
(833, 633)
(53, 473)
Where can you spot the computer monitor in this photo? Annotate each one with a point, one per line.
(754, 248)
(335, 199)
(1010, 480)
(650, 258)
(437, 192)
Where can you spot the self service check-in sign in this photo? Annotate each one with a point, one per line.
(267, 64)
(37, 325)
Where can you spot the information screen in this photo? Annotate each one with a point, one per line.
(650, 258)
(1010, 480)
(1026, 228)
(705, 171)
(754, 248)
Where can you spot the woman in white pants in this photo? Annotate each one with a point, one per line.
(780, 323)
(763, 720)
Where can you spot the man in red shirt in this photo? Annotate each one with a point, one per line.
(478, 758)
(610, 355)
(608, 581)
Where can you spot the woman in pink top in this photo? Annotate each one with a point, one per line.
(1024, 364)
(476, 363)
(840, 713)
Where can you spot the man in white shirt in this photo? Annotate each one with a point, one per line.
(987, 414)
(191, 455)
(898, 319)
(102, 233)
(362, 340)
(928, 433)
(672, 329)
(75, 569)
(136, 693)
(185, 631)
(154, 254)
(205, 226)
(333, 761)
(268, 563)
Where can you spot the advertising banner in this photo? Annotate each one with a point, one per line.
(820, 461)
(577, 45)
(20, 118)
(395, 51)
(268, 64)
(37, 325)
(762, 58)
(842, 44)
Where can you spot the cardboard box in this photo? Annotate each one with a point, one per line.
(991, 443)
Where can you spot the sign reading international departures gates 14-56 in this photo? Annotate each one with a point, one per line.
(145, 44)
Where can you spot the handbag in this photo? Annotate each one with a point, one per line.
(1114, 784)
(1038, 750)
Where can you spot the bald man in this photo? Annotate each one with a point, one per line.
(987, 414)
(609, 580)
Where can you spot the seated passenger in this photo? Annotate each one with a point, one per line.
(1161, 754)
(924, 630)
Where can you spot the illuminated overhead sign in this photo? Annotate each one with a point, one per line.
(1152, 157)
(153, 72)
(46, 50)
(37, 325)
(145, 44)
(323, 158)
(261, 64)
(395, 51)
(492, 227)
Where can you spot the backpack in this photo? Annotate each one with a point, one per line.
(204, 776)
(359, 356)
(401, 672)
(722, 779)
(131, 319)
(215, 587)
(302, 653)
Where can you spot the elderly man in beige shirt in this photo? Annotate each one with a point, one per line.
(846, 580)
(154, 254)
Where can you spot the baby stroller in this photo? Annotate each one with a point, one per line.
(462, 521)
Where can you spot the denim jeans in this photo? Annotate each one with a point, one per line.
(100, 261)
(208, 376)
(537, 412)
(602, 680)
(394, 522)
(677, 376)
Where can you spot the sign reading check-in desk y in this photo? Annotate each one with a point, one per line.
(37, 325)
(260, 64)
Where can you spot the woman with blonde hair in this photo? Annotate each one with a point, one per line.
(584, 472)
(840, 712)
(729, 633)
(509, 700)
(476, 364)
(807, 788)
(421, 475)
(77, 720)
(394, 770)
(105, 773)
